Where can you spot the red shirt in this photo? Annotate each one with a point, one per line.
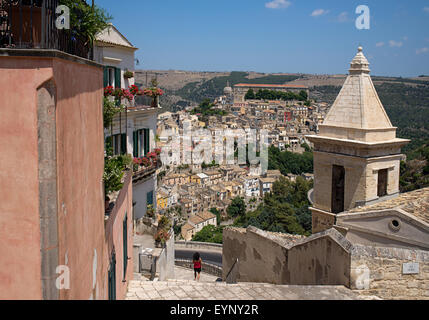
(197, 264)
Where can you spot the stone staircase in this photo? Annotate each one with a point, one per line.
(193, 290)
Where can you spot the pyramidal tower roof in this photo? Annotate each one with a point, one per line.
(358, 105)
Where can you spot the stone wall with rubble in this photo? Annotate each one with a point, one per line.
(380, 272)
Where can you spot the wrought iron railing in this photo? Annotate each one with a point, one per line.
(231, 276)
(208, 268)
(30, 24)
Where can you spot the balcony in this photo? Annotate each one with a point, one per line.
(142, 171)
(30, 24)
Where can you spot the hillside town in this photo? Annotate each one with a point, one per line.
(186, 191)
(265, 192)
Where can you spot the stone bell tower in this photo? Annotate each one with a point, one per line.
(356, 153)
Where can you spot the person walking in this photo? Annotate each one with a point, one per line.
(197, 266)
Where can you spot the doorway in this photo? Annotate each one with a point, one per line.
(338, 183)
(382, 183)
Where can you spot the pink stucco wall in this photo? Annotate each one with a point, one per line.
(19, 209)
(80, 161)
(114, 236)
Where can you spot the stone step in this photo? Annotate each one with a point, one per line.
(193, 290)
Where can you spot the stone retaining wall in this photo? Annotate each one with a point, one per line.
(379, 271)
(198, 245)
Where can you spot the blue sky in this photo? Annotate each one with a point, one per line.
(305, 36)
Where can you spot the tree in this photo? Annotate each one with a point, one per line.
(250, 95)
(216, 212)
(210, 234)
(303, 95)
(285, 209)
(236, 208)
(86, 21)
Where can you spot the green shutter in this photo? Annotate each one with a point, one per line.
(106, 77)
(125, 243)
(146, 141)
(118, 83)
(112, 278)
(149, 198)
(124, 143)
(135, 151)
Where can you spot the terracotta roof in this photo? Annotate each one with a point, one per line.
(187, 227)
(270, 85)
(196, 219)
(206, 215)
(415, 203)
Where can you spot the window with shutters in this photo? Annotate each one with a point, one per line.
(141, 143)
(119, 144)
(112, 77)
(109, 76)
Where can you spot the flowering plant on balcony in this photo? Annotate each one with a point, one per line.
(157, 151)
(108, 91)
(153, 92)
(118, 93)
(127, 95)
(146, 162)
(152, 155)
(134, 89)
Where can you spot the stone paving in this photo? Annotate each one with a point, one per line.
(192, 290)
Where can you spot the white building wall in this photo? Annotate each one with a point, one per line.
(140, 191)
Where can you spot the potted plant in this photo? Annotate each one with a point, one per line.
(150, 212)
(161, 238)
(137, 162)
(146, 162)
(154, 93)
(128, 74)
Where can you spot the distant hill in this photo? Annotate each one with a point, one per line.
(190, 88)
(406, 100)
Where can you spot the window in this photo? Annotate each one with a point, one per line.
(149, 198)
(382, 183)
(141, 143)
(119, 144)
(112, 77)
(338, 184)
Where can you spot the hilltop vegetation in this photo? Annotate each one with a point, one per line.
(285, 209)
(213, 88)
(406, 102)
(415, 172)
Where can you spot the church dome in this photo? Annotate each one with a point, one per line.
(227, 90)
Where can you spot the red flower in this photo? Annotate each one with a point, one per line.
(108, 91)
(134, 90)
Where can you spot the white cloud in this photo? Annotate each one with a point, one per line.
(422, 50)
(319, 12)
(278, 4)
(343, 17)
(379, 44)
(426, 9)
(394, 43)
